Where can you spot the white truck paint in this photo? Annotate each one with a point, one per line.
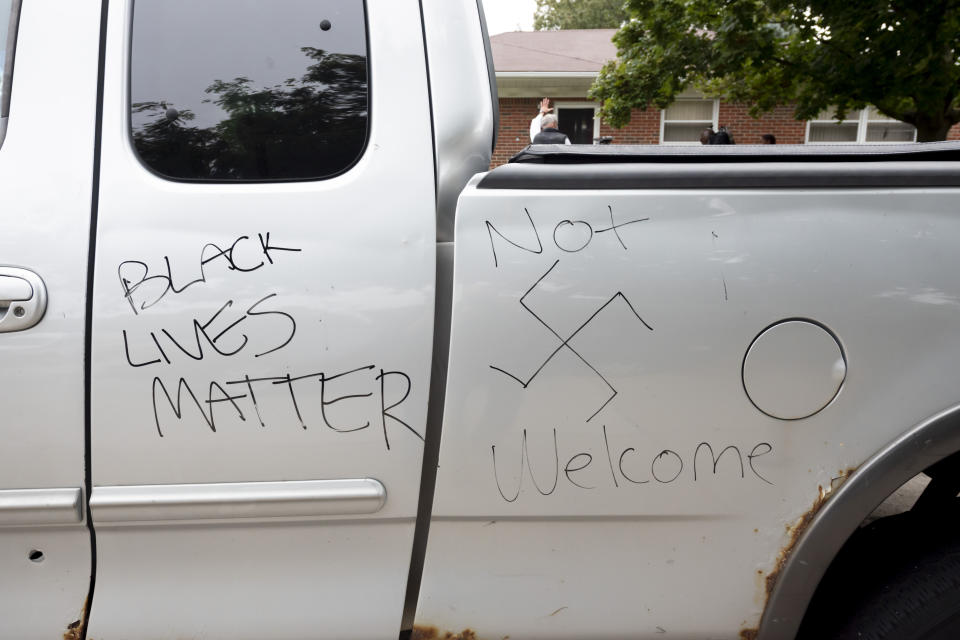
(593, 488)
(46, 164)
(253, 427)
(349, 330)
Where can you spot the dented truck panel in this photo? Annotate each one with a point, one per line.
(651, 393)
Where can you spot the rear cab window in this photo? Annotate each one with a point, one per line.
(250, 91)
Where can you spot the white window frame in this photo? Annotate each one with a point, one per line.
(713, 125)
(863, 121)
(557, 106)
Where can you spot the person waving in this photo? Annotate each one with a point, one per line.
(543, 127)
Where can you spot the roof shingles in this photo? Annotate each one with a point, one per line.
(553, 51)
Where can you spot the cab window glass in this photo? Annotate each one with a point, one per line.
(248, 90)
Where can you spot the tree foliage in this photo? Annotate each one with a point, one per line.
(903, 56)
(579, 14)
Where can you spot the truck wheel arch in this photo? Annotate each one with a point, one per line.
(930, 441)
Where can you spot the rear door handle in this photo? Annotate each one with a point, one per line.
(23, 299)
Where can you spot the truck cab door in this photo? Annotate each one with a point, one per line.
(263, 317)
(47, 114)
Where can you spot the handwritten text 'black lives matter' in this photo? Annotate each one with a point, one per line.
(342, 401)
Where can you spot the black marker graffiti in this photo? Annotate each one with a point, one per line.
(613, 227)
(565, 342)
(385, 410)
(568, 225)
(492, 229)
(282, 325)
(716, 459)
(392, 396)
(135, 275)
(662, 467)
(638, 468)
(525, 463)
(262, 329)
(723, 278)
(571, 244)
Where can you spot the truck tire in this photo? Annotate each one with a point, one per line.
(896, 579)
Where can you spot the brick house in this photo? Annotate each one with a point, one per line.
(562, 65)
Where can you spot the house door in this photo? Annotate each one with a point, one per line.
(577, 124)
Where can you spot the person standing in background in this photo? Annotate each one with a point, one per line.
(722, 136)
(536, 125)
(550, 134)
(543, 128)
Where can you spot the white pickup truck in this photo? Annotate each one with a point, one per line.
(282, 359)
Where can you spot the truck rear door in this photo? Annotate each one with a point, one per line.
(47, 109)
(263, 310)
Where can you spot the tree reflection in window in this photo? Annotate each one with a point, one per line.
(308, 127)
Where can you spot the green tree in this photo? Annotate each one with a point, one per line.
(902, 56)
(579, 14)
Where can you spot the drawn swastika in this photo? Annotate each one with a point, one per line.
(564, 342)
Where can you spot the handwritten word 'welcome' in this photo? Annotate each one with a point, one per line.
(630, 466)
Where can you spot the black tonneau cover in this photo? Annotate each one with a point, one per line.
(566, 167)
(659, 153)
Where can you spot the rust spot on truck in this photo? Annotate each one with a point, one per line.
(421, 632)
(75, 629)
(794, 531)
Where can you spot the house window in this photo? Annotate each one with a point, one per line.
(258, 90)
(684, 120)
(880, 128)
(861, 125)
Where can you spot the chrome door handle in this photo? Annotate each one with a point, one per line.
(23, 299)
